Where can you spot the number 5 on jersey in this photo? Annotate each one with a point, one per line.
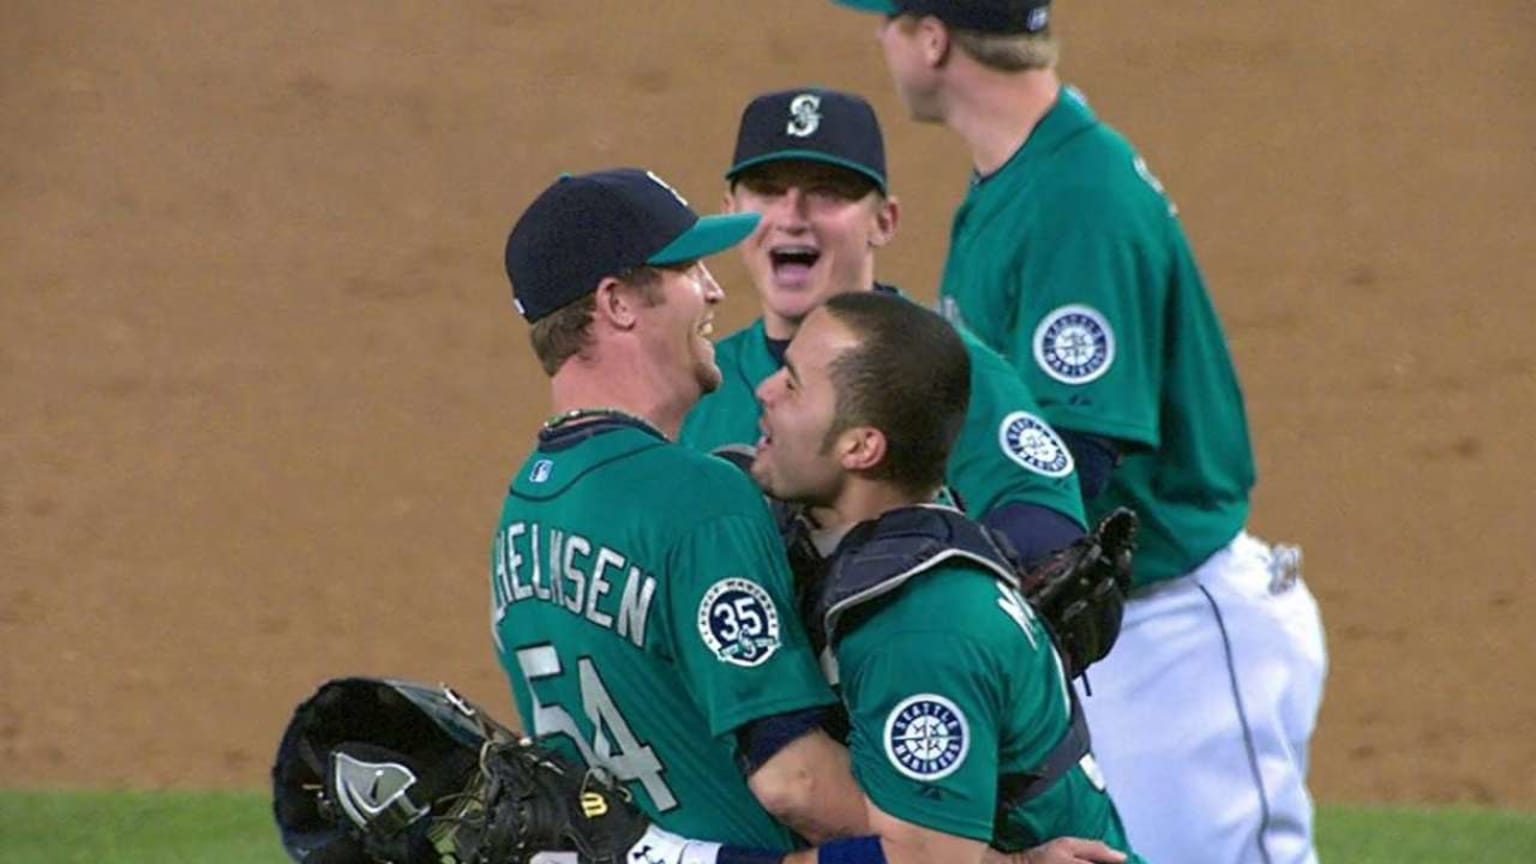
(632, 761)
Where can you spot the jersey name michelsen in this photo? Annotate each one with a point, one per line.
(567, 570)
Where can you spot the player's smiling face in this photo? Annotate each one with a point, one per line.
(797, 455)
(679, 330)
(820, 227)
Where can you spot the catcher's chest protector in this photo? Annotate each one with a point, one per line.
(882, 555)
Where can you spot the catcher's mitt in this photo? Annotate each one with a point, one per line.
(374, 771)
(1080, 591)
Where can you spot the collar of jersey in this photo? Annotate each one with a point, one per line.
(568, 436)
(1069, 116)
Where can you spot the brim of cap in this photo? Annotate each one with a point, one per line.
(883, 7)
(708, 236)
(805, 156)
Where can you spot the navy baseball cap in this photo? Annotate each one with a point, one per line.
(985, 16)
(811, 124)
(585, 228)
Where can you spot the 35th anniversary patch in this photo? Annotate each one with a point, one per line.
(738, 621)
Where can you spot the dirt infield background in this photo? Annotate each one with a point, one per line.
(261, 383)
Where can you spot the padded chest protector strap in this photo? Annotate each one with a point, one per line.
(880, 556)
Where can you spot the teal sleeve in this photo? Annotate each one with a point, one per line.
(1088, 336)
(1007, 453)
(924, 736)
(741, 650)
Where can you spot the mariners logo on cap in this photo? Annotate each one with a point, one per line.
(739, 623)
(1074, 344)
(927, 737)
(804, 115)
(1029, 441)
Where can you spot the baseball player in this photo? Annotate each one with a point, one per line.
(640, 596)
(811, 163)
(962, 726)
(659, 641)
(1068, 258)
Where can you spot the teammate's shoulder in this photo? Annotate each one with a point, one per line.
(696, 471)
(1097, 140)
(990, 368)
(1105, 170)
(983, 357)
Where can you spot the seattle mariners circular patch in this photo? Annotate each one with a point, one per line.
(926, 737)
(739, 623)
(1074, 344)
(1029, 441)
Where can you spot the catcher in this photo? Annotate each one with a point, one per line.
(963, 729)
(962, 726)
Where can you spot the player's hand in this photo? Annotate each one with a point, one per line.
(1063, 850)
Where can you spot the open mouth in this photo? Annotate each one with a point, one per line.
(792, 264)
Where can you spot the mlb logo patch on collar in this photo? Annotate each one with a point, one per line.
(541, 471)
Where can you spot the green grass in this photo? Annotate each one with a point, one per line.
(1357, 834)
(134, 827)
(237, 828)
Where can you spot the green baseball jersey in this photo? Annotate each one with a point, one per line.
(1071, 263)
(1006, 453)
(950, 683)
(640, 604)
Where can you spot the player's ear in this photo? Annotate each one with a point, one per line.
(887, 218)
(861, 448)
(614, 304)
(934, 41)
(728, 199)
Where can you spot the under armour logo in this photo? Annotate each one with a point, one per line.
(643, 856)
(804, 115)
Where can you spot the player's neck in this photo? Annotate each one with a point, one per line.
(860, 501)
(577, 389)
(996, 113)
(779, 328)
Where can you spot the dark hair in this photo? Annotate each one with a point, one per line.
(909, 377)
